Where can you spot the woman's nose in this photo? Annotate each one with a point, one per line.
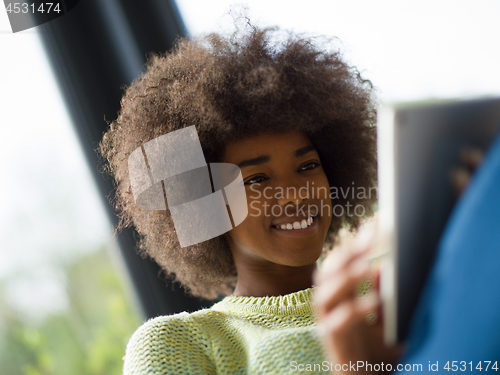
(293, 195)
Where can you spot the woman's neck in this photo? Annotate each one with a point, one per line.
(275, 280)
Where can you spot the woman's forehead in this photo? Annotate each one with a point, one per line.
(265, 144)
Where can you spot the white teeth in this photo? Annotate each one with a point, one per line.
(297, 224)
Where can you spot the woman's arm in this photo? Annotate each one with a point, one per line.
(167, 345)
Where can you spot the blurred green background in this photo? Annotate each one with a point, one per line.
(66, 306)
(88, 337)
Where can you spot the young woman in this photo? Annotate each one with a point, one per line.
(300, 124)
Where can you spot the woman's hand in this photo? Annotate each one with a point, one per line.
(347, 334)
(471, 159)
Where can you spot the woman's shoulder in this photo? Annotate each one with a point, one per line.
(164, 325)
(169, 344)
(168, 326)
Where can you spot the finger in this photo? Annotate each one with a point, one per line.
(460, 178)
(472, 157)
(350, 313)
(341, 286)
(375, 277)
(335, 262)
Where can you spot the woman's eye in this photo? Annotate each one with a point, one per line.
(310, 165)
(254, 180)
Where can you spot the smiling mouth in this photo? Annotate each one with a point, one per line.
(297, 225)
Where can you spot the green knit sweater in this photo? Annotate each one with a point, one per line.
(239, 335)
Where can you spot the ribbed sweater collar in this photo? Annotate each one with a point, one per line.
(298, 303)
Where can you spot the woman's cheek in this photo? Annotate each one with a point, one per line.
(254, 209)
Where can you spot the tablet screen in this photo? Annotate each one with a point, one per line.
(419, 144)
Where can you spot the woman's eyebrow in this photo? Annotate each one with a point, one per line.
(304, 150)
(265, 158)
(255, 161)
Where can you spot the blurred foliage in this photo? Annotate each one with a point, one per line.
(88, 338)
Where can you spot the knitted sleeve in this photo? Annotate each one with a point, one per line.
(168, 345)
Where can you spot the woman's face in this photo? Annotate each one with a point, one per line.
(286, 187)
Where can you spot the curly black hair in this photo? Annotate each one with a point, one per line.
(231, 88)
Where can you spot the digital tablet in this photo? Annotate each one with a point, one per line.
(418, 146)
